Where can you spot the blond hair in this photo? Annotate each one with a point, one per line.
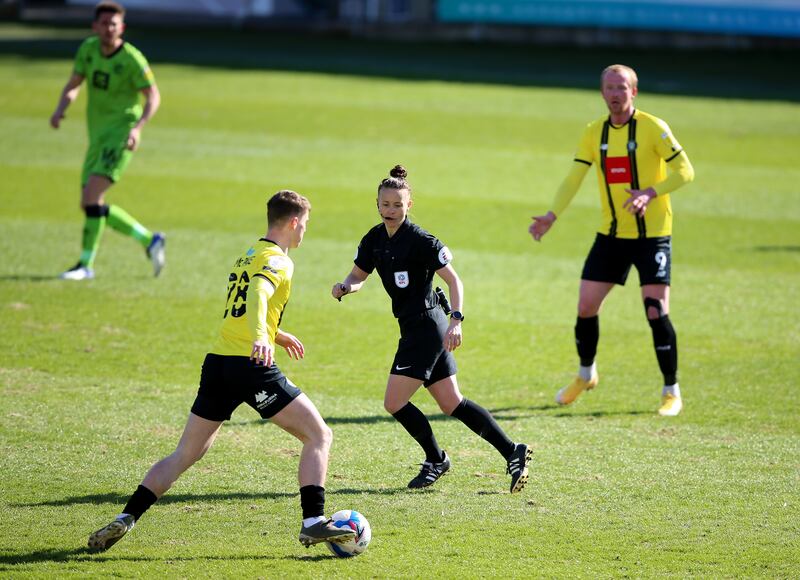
(621, 69)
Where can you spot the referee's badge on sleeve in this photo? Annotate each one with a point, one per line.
(445, 256)
(401, 279)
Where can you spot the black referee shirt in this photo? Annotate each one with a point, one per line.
(406, 263)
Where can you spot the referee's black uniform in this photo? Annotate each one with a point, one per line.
(406, 263)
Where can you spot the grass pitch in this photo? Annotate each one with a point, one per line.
(97, 377)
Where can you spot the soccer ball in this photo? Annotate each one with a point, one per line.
(359, 524)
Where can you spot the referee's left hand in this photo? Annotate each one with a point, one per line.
(452, 338)
(638, 200)
(262, 353)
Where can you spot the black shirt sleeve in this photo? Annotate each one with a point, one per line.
(433, 252)
(364, 254)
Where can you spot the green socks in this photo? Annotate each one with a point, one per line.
(124, 223)
(92, 231)
(96, 218)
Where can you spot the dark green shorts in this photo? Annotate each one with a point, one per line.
(108, 156)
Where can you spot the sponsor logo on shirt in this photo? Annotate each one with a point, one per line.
(100, 80)
(618, 170)
(401, 279)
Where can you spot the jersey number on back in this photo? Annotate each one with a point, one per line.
(237, 305)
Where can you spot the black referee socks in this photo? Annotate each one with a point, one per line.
(416, 423)
(481, 421)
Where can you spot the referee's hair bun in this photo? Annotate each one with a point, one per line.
(399, 172)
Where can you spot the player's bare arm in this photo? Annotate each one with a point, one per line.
(638, 200)
(291, 344)
(453, 338)
(355, 279)
(68, 94)
(541, 225)
(152, 102)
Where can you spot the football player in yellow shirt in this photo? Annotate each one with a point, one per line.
(241, 369)
(632, 151)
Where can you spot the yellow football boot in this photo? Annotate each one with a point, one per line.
(571, 392)
(670, 406)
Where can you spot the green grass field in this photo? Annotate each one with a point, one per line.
(97, 377)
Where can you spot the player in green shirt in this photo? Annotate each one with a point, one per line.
(119, 79)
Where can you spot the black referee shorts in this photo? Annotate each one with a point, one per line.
(228, 381)
(420, 352)
(610, 260)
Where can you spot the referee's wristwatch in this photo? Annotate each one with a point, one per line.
(457, 315)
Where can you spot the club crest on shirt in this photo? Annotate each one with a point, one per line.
(401, 279)
(445, 256)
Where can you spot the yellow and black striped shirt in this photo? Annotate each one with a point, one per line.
(632, 156)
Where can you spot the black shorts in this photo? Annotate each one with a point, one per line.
(610, 260)
(420, 352)
(228, 381)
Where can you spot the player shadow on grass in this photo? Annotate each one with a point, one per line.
(502, 413)
(29, 278)
(777, 248)
(118, 498)
(85, 555)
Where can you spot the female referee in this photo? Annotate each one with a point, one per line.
(406, 257)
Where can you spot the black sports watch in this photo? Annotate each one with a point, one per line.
(457, 315)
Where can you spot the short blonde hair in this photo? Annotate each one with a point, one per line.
(620, 68)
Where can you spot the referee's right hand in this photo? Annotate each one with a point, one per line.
(339, 290)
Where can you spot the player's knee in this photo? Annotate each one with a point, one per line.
(587, 309)
(95, 210)
(392, 406)
(325, 436)
(653, 308)
(448, 406)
